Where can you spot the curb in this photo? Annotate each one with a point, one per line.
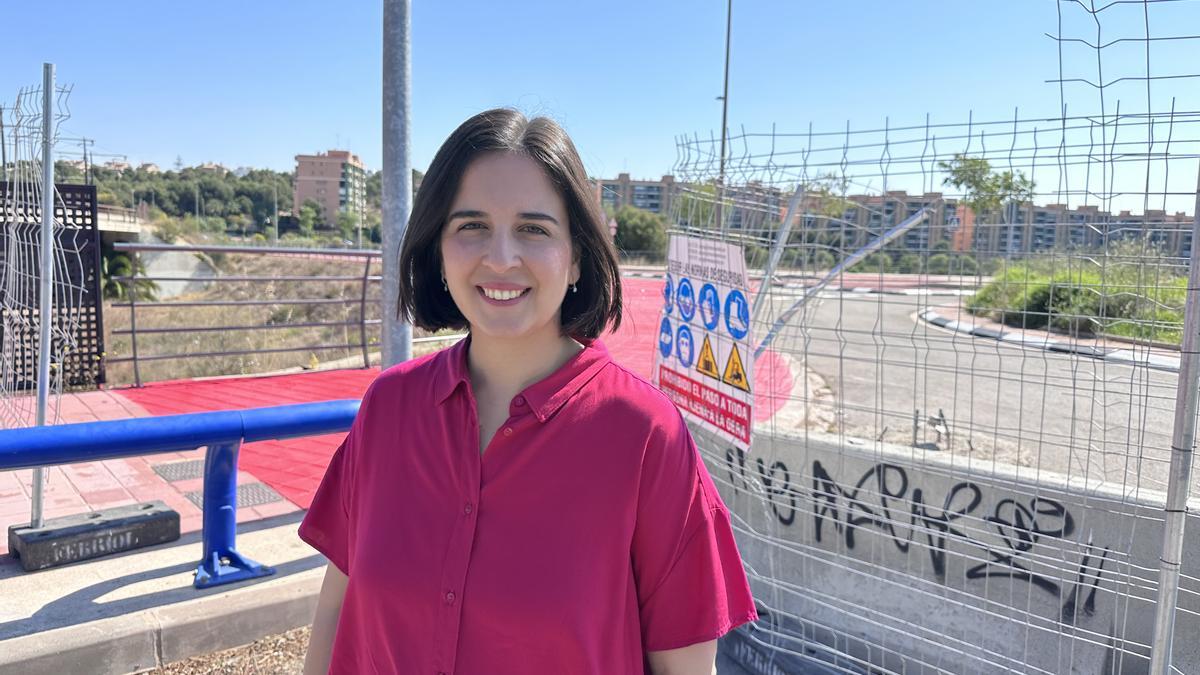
(151, 638)
(1125, 357)
(848, 289)
(955, 292)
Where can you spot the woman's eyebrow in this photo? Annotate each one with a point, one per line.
(538, 215)
(525, 215)
(467, 214)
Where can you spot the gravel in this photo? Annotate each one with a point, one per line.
(281, 654)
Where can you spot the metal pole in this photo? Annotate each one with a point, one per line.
(362, 314)
(45, 304)
(781, 239)
(397, 174)
(724, 114)
(275, 215)
(1179, 476)
(3, 149)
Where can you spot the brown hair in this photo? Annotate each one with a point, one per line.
(584, 313)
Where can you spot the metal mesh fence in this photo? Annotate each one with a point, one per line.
(980, 325)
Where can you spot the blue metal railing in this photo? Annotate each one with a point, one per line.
(221, 432)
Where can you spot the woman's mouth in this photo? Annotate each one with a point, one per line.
(497, 296)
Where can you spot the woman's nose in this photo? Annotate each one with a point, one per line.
(502, 252)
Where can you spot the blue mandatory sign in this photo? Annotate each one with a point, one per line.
(666, 338)
(685, 296)
(685, 349)
(668, 292)
(710, 306)
(737, 314)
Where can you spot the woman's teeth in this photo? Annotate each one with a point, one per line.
(501, 295)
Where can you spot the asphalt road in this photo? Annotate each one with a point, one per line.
(1002, 402)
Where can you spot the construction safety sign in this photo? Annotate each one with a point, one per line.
(704, 360)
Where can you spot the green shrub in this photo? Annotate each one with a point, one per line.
(1139, 299)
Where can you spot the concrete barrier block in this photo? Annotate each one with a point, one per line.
(83, 536)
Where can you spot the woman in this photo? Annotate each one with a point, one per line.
(518, 503)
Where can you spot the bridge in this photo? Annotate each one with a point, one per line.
(118, 224)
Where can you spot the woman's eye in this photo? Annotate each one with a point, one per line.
(536, 229)
(470, 226)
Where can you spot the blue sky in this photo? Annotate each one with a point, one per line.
(254, 83)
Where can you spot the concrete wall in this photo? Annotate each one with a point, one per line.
(874, 554)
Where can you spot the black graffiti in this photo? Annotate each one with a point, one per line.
(1020, 530)
(883, 501)
(890, 485)
(776, 482)
(1082, 577)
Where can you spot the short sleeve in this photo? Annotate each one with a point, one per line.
(326, 526)
(691, 585)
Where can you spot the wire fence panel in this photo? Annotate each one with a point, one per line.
(981, 323)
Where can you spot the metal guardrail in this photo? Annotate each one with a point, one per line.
(222, 432)
(365, 279)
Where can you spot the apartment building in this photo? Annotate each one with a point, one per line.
(649, 195)
(1028, 228)
(336, 179)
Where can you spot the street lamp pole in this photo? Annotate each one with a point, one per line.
(724, 116)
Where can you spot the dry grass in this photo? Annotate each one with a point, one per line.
(284, 334)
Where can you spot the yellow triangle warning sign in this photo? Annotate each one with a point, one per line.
(735, 373)
(707, 363)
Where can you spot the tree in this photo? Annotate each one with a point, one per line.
(114, 265)
(309, 216)
(876, 262)
(347, 223)
(909, 263)
(639, 230)
(985, 190)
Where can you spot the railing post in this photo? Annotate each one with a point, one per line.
(362, 313)
(222, 564)
(131, 291)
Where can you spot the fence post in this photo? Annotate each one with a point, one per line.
(222, 564)
(362, 313)
(1179, 478)
(131, 293)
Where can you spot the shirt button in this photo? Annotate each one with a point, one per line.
(468, 509)
(520, 400)
(508, 431)
(450, 598)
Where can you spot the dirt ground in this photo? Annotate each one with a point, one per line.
(281, 654)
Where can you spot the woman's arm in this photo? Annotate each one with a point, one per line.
(697, 659)
(329, 607)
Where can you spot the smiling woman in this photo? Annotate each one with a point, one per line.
(507, 254)
(518, 503)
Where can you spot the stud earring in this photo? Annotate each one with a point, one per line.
(574, 288)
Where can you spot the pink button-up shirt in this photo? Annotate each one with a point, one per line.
(588, 533)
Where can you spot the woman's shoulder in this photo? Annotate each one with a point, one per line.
(635, 398)
(415, 377)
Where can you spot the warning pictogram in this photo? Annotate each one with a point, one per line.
(708, 363)
(735, 373)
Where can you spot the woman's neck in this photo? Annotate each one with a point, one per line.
(505, 367)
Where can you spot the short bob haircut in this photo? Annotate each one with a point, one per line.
(584, 313)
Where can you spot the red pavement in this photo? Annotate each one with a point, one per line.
(294, 467)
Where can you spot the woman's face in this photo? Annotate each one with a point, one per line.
(506, 249)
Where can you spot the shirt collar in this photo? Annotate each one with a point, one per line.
(544, 397)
